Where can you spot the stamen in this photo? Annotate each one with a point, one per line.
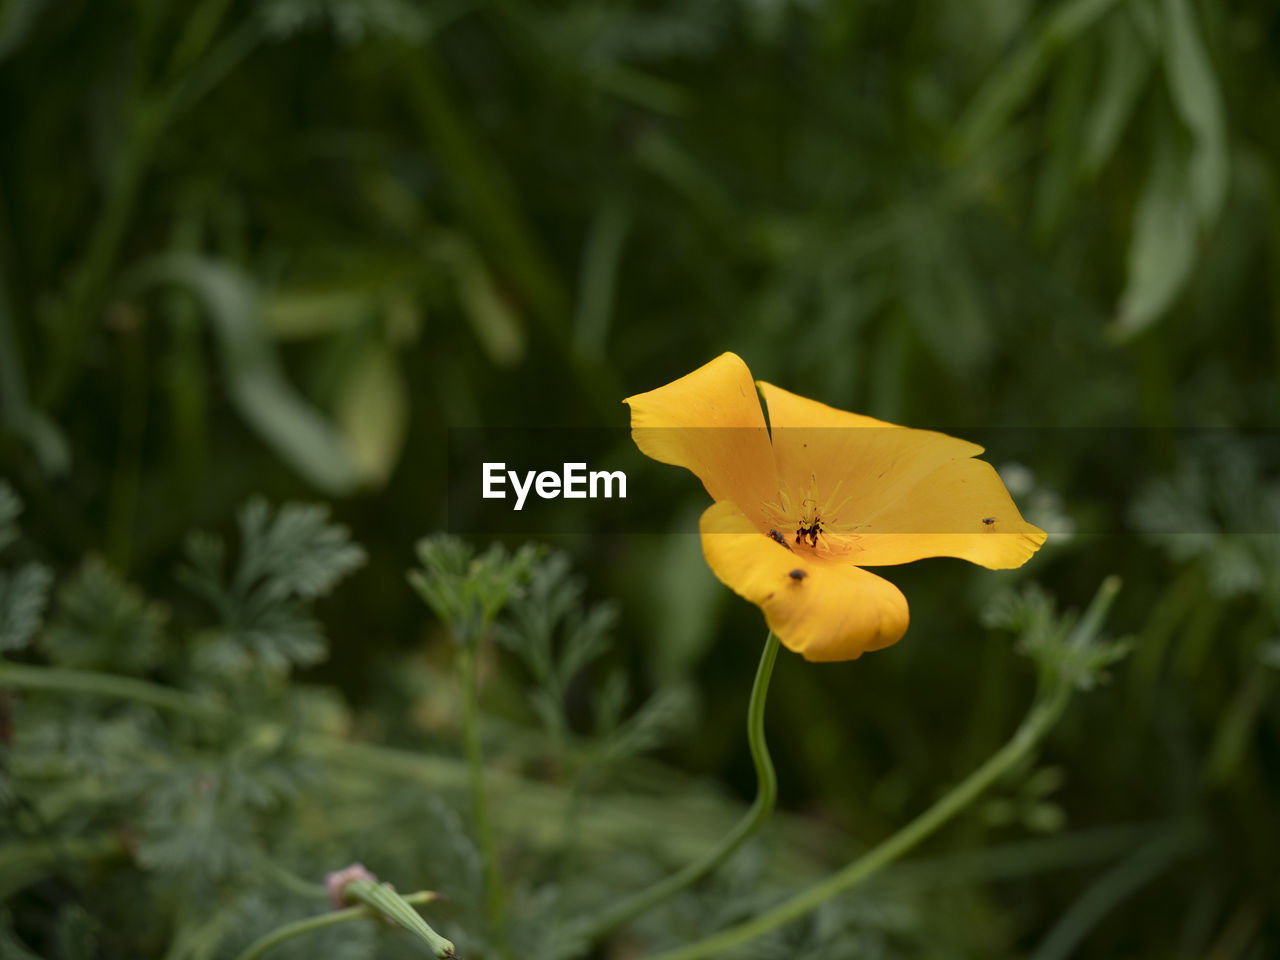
(815, 518)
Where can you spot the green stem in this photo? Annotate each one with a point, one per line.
(1042, 715)
(469, 675)
(299, 927)
(752, 820)
(290, 881)
(105, 685)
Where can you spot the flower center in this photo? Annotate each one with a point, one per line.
(814, 519)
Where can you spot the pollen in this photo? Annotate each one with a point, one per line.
(813, 517)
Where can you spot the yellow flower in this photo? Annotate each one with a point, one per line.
(801, 506)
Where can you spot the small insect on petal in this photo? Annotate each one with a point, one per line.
(797, 575)
(989, 521)
(778, 538)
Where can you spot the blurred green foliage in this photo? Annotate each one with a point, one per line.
(280, 247)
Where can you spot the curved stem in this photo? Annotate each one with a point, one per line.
(468, 673)
(290, 881)
(299, 927)
(1042, 715)
(752, 820)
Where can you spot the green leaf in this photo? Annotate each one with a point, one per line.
(1005, 91)
(24, 591)
(643, 89)
(17, 20)
(295, 549)
(23, 595)
(1068, 648)
(101, 623)
(205, 556)
(493, 318)
(555, 634)
(287, 558)
(942, 293)
(351, 21)
(1199, 102)
(668, 710)
(1044, 817)
(297, 432)
(1218, 489)
(272, 640)
(1012, 83)
(201, 818)
(304, 314)
(601, 259)
(373, 411)
(671, 162)
(443, 564)
(1162, 250)
(1069, 98)
(76, 933)
(610, 703)
(1127, 65)
(466, 591)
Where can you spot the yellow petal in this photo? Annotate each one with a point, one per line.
(961, 509)
(858, 464)
(898, 494)
(710, 422)
(821, 609)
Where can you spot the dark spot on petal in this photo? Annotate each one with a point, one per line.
(797, 574)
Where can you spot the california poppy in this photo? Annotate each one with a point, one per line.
(802, 505)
